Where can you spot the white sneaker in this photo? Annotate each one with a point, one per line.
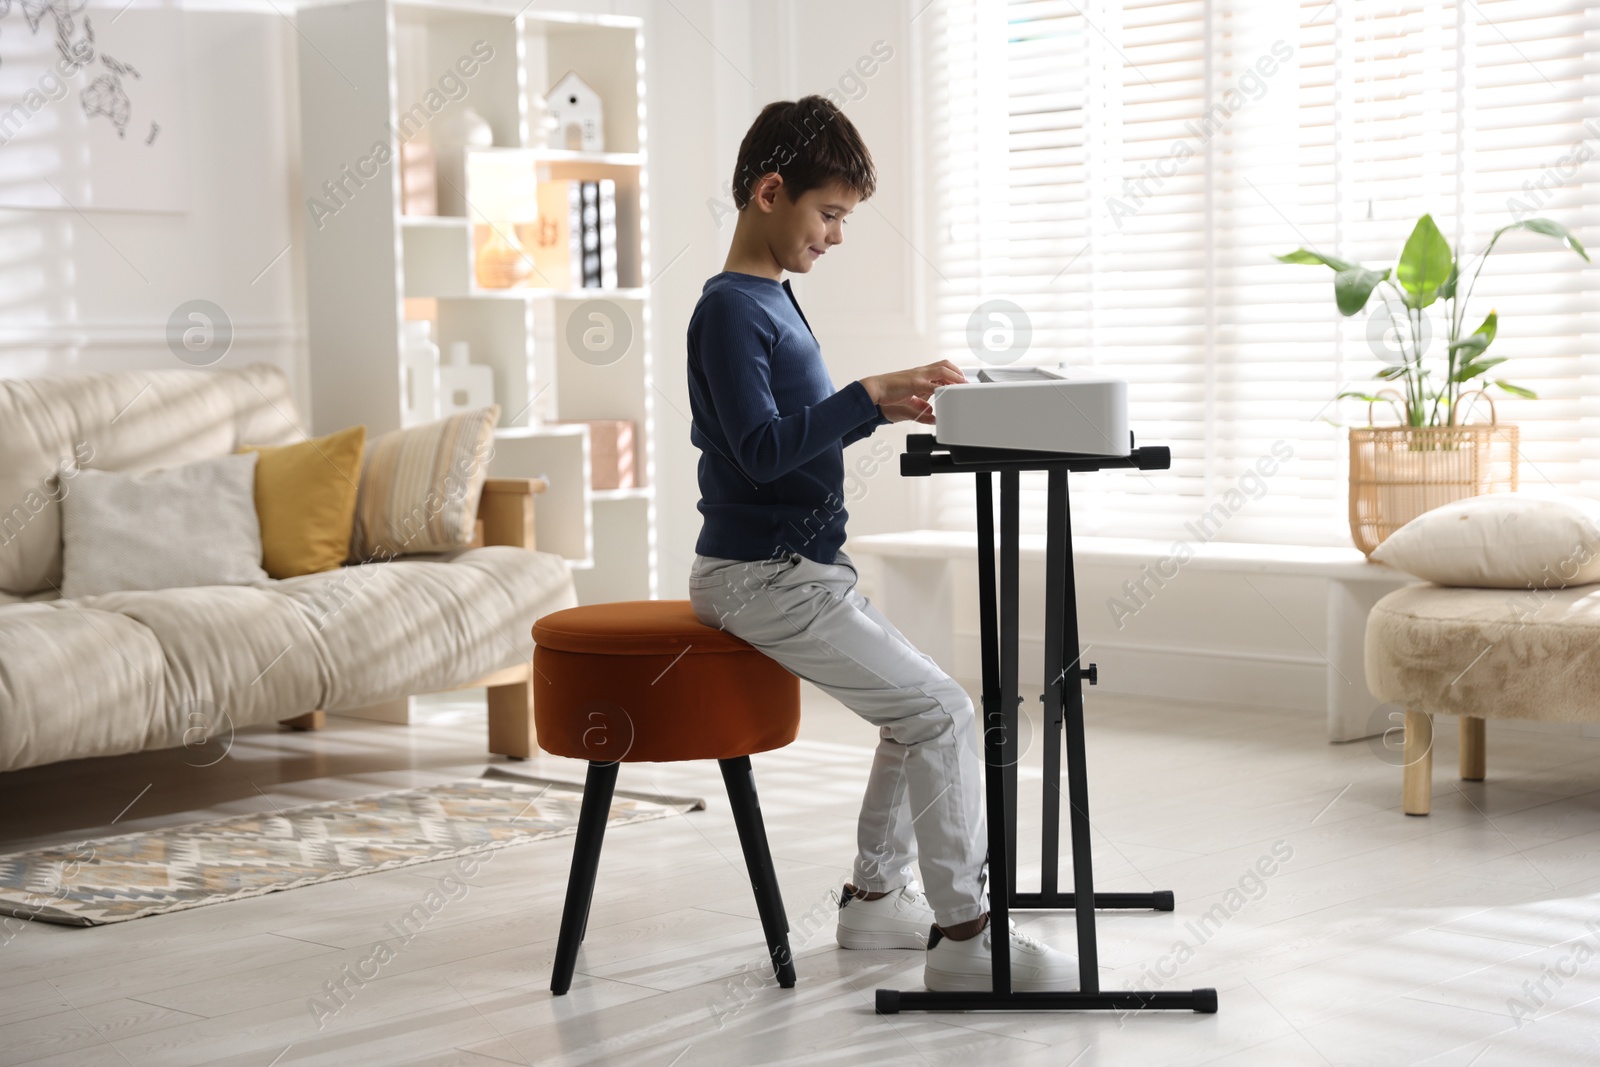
(966, 967)
(900, 919)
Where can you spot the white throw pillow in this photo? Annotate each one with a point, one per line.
(1501, 541)
(189, 525)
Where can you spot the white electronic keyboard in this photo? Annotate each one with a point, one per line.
(1034, 408)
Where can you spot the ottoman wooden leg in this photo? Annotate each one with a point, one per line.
(1416, 789)
(741, 783)
(511, 720)
(311, 720)
(1473, 752)
(597, 790)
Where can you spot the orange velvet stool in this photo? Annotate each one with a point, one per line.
(644, 681)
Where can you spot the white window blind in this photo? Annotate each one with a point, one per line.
(1125, 171)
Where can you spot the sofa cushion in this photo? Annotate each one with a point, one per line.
(239, 654)
(189, 525)
(306, 502)
(1490, 653)
(420, 487)
(127, 421)
(410, 626)
(76, 681)
(243, 655)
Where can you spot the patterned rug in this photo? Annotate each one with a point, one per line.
(113, 879)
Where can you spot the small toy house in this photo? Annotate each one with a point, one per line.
(575, 107)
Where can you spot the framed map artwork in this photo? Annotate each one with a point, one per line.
(92, 107)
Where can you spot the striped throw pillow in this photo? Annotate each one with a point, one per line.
(419, 486)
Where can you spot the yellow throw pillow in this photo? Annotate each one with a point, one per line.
(306, 501)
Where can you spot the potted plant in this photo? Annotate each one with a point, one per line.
(1398, 472)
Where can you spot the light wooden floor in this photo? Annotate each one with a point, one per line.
(1458, 939)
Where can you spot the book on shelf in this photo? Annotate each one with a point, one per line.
(576, 242)
(598, 201)
(552, 254)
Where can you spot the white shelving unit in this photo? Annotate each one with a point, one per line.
(363, 66)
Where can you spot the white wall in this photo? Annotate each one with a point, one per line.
(93, 291)
(869, 301)
(711, 67)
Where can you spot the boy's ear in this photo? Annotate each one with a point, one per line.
(766, 191)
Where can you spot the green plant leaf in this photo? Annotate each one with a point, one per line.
(1476, 369)
(1447, 291)
(1516, 390)
(1550, 228)
(1396, 404)
(1352, 287)
(1490, 327)
(1425, 263)
(1475, 342)
(1389, 374)
(1305, 255)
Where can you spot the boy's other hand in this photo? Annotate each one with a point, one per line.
(887, 389)
(911, 409)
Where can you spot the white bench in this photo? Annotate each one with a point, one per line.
(915, 588)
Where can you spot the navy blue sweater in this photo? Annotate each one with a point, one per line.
(770, 428)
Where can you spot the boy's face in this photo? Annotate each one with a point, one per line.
(799, 233)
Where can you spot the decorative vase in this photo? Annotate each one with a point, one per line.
(464, 385)
(542, 124)
(1399, 472)
(501, 261)
(419, 362)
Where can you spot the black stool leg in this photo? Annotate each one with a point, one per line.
(741, 783)
(597, 789)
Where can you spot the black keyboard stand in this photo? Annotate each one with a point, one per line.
(1063, 709)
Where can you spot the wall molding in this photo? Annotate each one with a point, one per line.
(138, 334)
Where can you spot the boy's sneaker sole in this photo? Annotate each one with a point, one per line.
(1035, 967)
(877, 940)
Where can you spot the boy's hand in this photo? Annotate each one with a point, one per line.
(911, 409)
(887, 389)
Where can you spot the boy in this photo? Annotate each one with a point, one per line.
(768, 566)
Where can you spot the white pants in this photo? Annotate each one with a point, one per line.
(924, 799)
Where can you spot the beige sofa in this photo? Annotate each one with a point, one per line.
(122, 672)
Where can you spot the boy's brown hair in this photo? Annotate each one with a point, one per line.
(810, 143)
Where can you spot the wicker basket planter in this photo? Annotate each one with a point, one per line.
(1398, 472)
